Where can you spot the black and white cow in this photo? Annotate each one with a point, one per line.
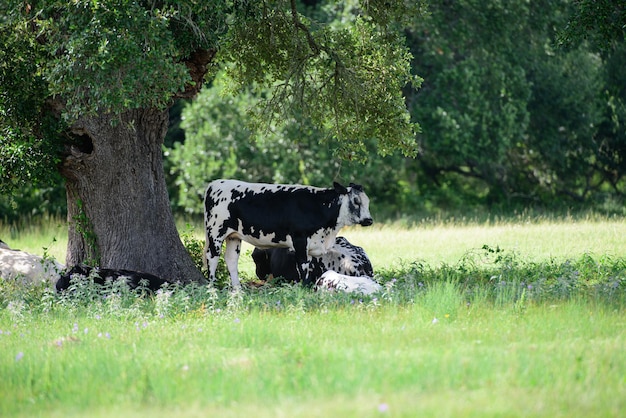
(134, 279)
(301, 218)
(343, 257)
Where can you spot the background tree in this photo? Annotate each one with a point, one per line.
(218, 143)
(506, 114)
(85, 88)
(510, 117)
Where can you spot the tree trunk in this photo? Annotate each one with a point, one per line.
(119, 213)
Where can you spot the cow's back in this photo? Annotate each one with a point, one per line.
(258, 211)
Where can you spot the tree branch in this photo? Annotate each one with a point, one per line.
(197, 64)
(299, 25)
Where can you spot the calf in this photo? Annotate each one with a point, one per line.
(333, 281)
(301, 218)
(343, 258)
(134, 279)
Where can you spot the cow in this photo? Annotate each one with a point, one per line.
(134, 279)
(333, 281)
(301, 218)
(343, 258)
(28, 268)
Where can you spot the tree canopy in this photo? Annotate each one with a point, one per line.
(521, 104)
(65, 60)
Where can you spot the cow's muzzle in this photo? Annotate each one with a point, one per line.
(366, 222)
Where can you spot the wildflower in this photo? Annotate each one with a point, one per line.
(75, 328)
(19, 356)
(383, 408)
(435, 320)
(447, 315)
(86, 330)
(237, 320)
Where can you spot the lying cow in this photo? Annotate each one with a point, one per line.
(134, 279)
(29, 268)
(334, 281)
(343, 257)
(303, 219)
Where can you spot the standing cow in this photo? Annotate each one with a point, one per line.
(302, 218)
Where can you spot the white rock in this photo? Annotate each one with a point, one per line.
(30, 268)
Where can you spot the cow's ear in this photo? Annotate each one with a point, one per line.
(339, 188)
(356, 187)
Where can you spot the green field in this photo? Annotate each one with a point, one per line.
(477, 319)
(433, 242)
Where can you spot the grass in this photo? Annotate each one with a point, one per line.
(435, 242)
(353, 361)
(498, 318)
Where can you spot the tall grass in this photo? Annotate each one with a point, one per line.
(350, 357)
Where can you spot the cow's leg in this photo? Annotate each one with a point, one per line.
(231, 257)
(212, 250)
(303, 260)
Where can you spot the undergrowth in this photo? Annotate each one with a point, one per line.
(489, 275)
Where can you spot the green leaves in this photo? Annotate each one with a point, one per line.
(346, 77)
(113, 55)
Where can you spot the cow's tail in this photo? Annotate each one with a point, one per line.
(205, 263)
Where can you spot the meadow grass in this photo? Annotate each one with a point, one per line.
(476, 319)
(362, 359)
(390, 245)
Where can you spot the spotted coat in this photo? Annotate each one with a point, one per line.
(303, 219)
(134, 279)
(343, 257)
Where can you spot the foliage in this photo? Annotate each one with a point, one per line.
(508, 119)
(219, 144)
(503, 105)
(522, 103)
(62, 62)
(602, 22)
(344, 77)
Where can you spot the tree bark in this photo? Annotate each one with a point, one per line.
(119, 214)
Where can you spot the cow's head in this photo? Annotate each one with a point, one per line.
(354, 205)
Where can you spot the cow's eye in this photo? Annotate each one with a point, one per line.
(356, 201)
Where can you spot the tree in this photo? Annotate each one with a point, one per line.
(85, 87)
(507, 115)
(602, 22)
(218, 143)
